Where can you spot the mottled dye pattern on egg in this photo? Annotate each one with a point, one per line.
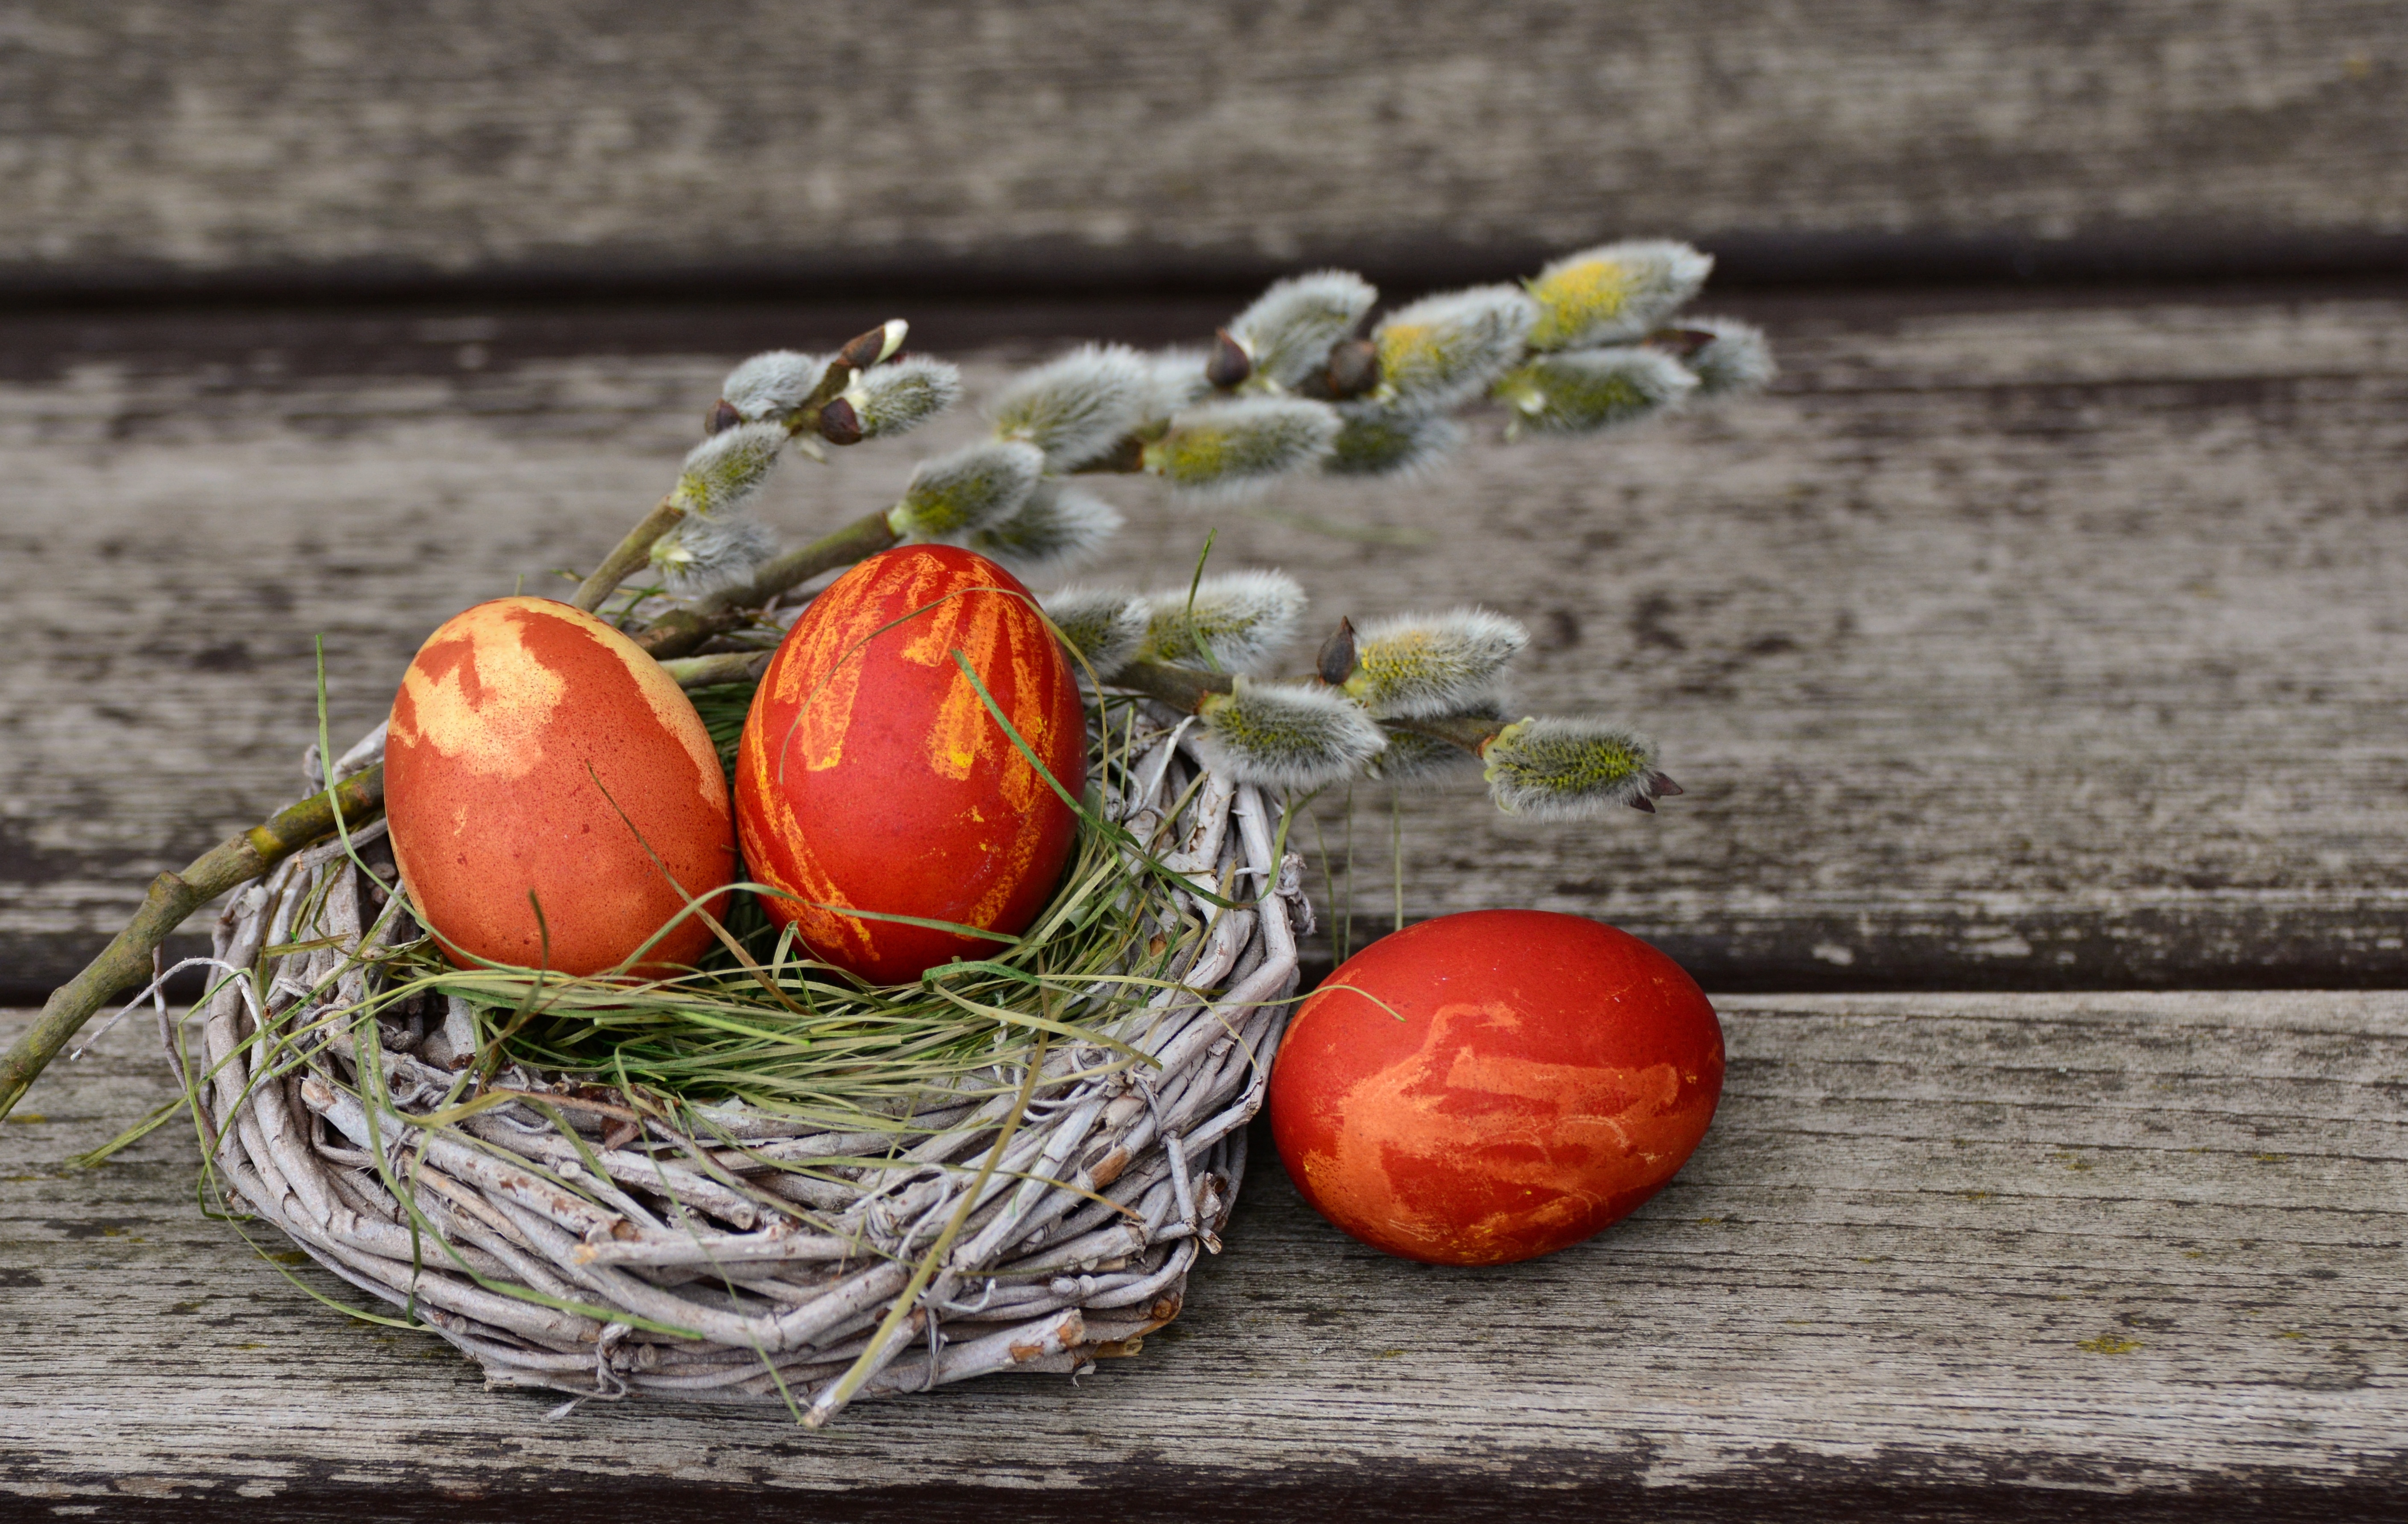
(871, 776)
(534, 748)
(1548, 1076)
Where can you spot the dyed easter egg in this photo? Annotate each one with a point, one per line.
(536, 749)
(872, 776)
(1548, 1074)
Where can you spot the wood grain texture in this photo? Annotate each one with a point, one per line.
(1941, 1257)
(2000, 646)
(1065, 141)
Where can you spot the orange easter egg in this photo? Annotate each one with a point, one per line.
(1493, 1085)
(536, 750)
(872, 777)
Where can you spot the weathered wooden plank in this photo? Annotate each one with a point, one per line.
(1065, 141)
(1941, 1257)
(2022, 645)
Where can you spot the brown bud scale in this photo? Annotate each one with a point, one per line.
(1336, 663)
(1230, 365)
(862, 351)
(839, 424)
(1353, 368)
(1680, 342)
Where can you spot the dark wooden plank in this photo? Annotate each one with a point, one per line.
(1941, 1257)
(270, 142)
(2001, 646)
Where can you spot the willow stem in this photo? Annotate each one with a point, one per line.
(126, 961)
(681, 630)
(721, 667)
(631, 552)
(1470, 731)
(1182, 688)
(1127, 457)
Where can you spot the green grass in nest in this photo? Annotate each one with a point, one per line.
(763, 1023)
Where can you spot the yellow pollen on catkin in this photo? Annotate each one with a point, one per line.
(1399, 343)
(1571, 300)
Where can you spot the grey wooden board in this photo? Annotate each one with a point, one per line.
(1064, 140)
(2000, 646)
(2128, 1256)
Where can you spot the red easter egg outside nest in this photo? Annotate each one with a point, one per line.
(534, 748)
(1549, 1074)
(872, 776)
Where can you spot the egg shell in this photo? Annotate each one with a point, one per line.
(1549, 1074)
(534, 748)
(871, 776)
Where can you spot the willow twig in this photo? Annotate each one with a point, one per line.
(126, 961)
(1184, 689)
(721, 667)
(629, 554)
(1472, 733)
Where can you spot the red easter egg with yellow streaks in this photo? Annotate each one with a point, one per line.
(1548, 1074)
(871, 776)
(534, 748)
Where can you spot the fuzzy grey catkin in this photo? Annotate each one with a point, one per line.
(1736, 359)
(1233, 622)
(1231, 446)
(1416, 666)
(1106, 625)
(1586, 389)
(1568, 769)
(1175, 381)
(772, 386)
(1615, 293)
(724, 469)
(965, 491)
(1444, 351)
(1375, 441)
(1287, 736)
(1078, 406)
(1291, 328)
(1057, 529)
(700, 555)
(896, 398)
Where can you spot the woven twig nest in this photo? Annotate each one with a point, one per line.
(573, 1236)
